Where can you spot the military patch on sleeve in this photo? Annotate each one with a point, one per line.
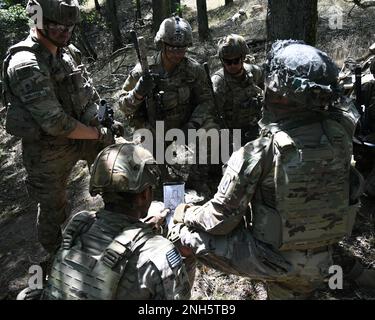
(32, 96)
(225, 183)
(174, 258)
(236, 160)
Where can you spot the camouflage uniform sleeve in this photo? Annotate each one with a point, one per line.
(30, 81)
(258, 74)
(128, 102)
(219, 91)
(226, 210)
(162, 271)
(202, 98)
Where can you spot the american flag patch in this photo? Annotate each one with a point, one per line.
(174, 258)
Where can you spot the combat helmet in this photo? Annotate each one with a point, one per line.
(126, 167)
(232, 45)
(302, 73)
(64, 12)
(174, 31)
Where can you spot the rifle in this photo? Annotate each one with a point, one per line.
(219, 114)
(105, 117)
(140, 48)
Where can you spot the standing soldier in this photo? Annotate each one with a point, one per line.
(51, 105)
(112, 253)
(237, 88)
(175, 90)
(296, 179)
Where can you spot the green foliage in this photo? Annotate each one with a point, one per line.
(181, 9)
(14, 15)
(9, 3)
(13, 26)
(92, 18)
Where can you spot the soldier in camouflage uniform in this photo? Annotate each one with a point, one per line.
(237, 88)
(176, 89)
(112, 253)
(51, 105)
(292, 190)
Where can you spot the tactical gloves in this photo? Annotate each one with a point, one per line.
(145, 85)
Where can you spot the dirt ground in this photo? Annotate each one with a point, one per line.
(19, 248)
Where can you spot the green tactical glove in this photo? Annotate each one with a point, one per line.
(145, 85)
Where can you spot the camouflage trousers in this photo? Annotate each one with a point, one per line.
(311, 273)
(288, 275)
(48, 167)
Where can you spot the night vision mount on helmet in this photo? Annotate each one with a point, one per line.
(174, 31)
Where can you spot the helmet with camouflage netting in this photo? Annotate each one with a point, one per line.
(64, 12)
(306, 76)
(124, 167)
(174, 31)
(231, 46)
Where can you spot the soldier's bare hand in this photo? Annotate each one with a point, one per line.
(156, 220)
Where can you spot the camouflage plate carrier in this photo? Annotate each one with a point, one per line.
(311, 191)
(71, 83)
(243, 100)
(77, 275)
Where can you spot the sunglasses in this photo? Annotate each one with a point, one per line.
(175, 49)
(60, 27)
(232, 61)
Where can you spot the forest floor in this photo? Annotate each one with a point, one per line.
(19, 248)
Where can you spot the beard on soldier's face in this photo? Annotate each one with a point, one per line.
(61, 39)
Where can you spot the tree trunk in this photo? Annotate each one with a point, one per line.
(292, 19)
(97, 5)
(114, 25)
(83, 43)
(160, 10)
(228, 2)
(203, 29)
(138, 6)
